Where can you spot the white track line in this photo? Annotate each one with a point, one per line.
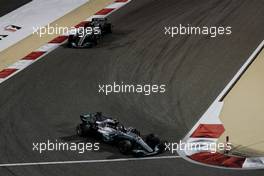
(88, 161)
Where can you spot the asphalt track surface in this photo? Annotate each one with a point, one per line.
(44, 101)
(10, 5)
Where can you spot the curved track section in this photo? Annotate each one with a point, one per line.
(44, 101)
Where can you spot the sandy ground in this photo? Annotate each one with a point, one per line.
(33, 42)
(242, 113)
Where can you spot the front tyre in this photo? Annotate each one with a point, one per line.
(125, 147)
(108, 28)
(152, 140)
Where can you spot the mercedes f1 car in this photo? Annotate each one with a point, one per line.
(84, 38)
(128, 140)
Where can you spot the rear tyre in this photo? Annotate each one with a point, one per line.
(108, 28)
(161, 146)
(125, 147)
(95, 42)
(79, 130)
(152, 140)
(70, 40)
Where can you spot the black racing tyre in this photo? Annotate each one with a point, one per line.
(125, 147)
(109, 28)
(79, 130)
(95, 42)
(152, 140)
(90, 44)
(69, 45)
(162, 146)
(84, 129)
(70, 40)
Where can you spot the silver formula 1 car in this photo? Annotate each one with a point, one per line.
(128, 140)
(90, 34)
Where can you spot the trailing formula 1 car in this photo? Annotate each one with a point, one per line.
(102, 24)
(90, 34)
(128, 140)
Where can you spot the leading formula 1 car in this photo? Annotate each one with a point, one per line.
(128, 140)
(84, 38)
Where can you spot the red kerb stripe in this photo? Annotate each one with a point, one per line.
(7, 72)
(81, 24)
(34, 55)
(121, 0)
(59, 39)
(218, 159)
(104, 11)
(208, 131)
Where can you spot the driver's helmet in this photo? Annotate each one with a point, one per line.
(113, 123)
(133, 130)
(121, 128)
